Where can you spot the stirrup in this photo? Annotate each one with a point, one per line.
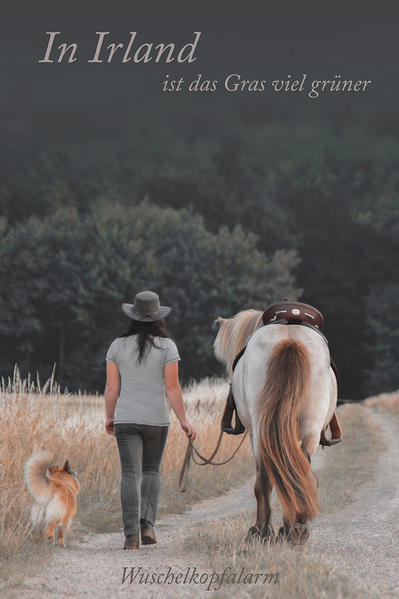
(238, 429)
(229, 410)
(336, 433)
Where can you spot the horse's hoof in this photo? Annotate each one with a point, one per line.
(253, 534)
(282, 535)
(298, 534)
(268, 535)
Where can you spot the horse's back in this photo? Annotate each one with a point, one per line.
(251, 372)
(263, 341)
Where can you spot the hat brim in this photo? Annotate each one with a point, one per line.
(129, 310)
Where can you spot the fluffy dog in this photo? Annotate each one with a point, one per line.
(55, 492)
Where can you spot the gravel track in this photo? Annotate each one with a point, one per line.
(362, 538)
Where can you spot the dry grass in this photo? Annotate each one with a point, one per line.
(71, 426)
(349, 464)
(387, 402)
(301, 573)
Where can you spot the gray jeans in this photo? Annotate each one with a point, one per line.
(141, 447)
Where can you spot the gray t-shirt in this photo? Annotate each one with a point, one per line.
(142, 397)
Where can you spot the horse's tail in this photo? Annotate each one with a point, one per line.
(278, 406)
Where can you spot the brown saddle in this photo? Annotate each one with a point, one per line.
(293, 313)
(286, 312)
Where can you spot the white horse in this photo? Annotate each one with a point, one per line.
(285, 393)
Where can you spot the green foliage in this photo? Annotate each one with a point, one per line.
(330, 195)
(383, 338)
(65, 277)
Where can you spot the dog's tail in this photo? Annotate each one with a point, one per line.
(35, 476)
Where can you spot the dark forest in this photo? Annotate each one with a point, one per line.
(219, 202)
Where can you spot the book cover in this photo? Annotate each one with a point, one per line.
(170, 171)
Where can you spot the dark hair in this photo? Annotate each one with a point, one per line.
(146, 332)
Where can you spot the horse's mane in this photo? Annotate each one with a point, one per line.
(233, 334)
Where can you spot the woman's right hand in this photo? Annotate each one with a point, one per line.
(188, 429)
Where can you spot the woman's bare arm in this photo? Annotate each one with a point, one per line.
(111, 395)
(175, 396)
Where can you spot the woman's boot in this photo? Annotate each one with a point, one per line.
(147, 532)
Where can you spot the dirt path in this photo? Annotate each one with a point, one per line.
(362, 538)
(94, 568)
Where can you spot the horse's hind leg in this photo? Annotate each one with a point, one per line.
(298, 532)
(262, 489)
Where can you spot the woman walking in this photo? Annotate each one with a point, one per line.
(142, 365)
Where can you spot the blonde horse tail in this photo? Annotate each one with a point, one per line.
(278, 406)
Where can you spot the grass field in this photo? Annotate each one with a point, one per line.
(72, 426)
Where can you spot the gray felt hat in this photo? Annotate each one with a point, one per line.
(146, 307)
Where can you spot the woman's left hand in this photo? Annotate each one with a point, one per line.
(109, 426)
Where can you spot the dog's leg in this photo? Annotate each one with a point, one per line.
(62, 531)
(50, 531)
(61, 537)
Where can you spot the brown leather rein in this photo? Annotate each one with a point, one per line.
(190, 455)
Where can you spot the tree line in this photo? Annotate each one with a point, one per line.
(216, 222)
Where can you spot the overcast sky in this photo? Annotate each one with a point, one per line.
(257, 40)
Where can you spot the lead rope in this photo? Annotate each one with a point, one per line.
(191, 449)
